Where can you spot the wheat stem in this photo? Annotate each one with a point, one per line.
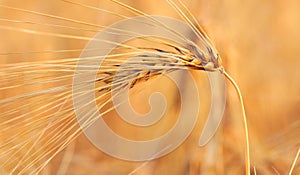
(294, 163)
(247, 149)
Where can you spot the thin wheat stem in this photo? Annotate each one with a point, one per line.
(294, 162)
(247, 149)
(254, 170)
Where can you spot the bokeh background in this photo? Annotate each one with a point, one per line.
(259, 42)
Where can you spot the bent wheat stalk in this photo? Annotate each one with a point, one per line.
(247, 149)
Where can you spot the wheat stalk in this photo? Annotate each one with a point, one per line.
(247, 149)
(294, 162)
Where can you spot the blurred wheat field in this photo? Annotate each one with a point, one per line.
(259, 42)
